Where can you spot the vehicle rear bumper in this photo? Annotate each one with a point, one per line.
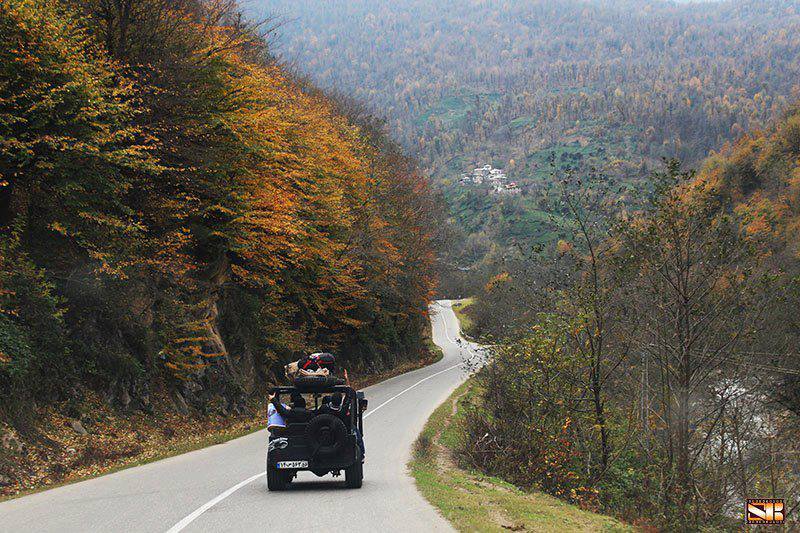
(346, 457)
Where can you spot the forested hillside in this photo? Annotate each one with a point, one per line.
(642, 313)
(476, 81)
(179, 216)
(532, 85)
(649, 368)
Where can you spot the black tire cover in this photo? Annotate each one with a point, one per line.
(326, 434)
(317, 382)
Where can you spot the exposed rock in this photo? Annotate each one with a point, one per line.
(86, 420)
(10, 442)
(78, 428)
(124, 397)
(180, 403)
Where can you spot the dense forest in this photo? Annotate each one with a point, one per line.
(180, 216)
(525, 85)
(188, 200)
(649, 367)
(643, 314)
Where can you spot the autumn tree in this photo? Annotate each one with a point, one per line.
(191, 212)
(698, 296)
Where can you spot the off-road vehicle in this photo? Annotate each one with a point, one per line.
(327, 443)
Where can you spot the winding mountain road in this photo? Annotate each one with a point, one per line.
(222, 488)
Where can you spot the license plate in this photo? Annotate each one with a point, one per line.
(292, 464)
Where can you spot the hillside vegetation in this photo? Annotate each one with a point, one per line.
(179, 216)
(499, 80)
(475, 502)
(537, 87)
(649, 367)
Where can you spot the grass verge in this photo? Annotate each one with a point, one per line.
(475, 502)
(460, 308)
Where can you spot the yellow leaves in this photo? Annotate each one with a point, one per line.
(497, 280)
(563, 247)
(305, 192)
(115, 440)
(228, 158)
(794, 184)
(58, 228)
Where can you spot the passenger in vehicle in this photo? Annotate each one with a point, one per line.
(335, 405)
(275, 422)
(296, 413)
(360, 441)
(354, 429)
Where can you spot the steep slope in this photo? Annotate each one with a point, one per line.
(659, 344)
(760, 175)
(179, 216)
(466, 81)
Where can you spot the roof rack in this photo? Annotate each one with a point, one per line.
(282, 389)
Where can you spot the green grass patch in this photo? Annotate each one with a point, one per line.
(522, 122)
(472, 501)
(452, 110)
(460, 308)
(434, 350)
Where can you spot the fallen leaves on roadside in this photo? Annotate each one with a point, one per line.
(56, 453)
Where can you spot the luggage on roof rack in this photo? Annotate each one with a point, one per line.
(318, 361)
(313, 371)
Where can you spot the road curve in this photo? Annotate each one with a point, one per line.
(222, 488)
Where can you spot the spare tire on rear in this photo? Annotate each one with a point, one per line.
(316, 382)
(326, 434)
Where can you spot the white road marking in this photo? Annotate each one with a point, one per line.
(205, 507)
(444, 324)
(411, 387)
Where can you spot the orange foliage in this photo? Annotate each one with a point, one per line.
(214, 187)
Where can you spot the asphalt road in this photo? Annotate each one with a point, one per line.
(223, 488)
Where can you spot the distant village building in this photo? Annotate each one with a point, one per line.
(494, 177)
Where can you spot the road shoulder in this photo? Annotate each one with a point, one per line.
(472, 501)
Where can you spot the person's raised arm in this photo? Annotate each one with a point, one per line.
(283, 411)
